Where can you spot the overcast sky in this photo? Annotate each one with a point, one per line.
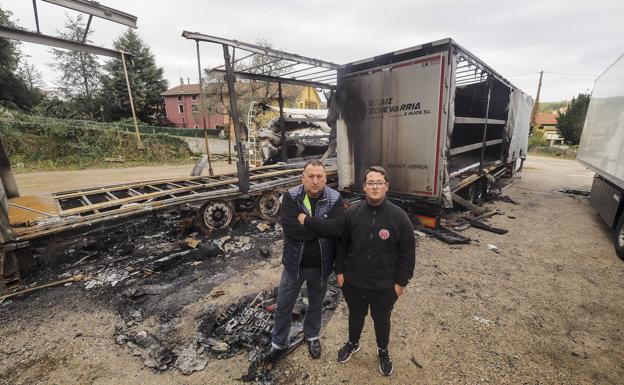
(571, 41)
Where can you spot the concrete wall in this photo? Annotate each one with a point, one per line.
(197, 145)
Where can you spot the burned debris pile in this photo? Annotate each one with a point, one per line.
(152, 272)
(307, 134)
(243, 326)
(576, 192)
(246, 325)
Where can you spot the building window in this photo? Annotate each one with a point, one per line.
(195, 126)
(193, 97)
(179, 98)
(194, 108)
(181, 108)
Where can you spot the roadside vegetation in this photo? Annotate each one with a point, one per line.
(35, 147)
(539, 146)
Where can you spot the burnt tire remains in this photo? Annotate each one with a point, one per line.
(269, 205)
(215, 215)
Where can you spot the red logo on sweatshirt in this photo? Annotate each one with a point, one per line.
(384, 234)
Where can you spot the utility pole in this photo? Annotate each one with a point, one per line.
(140, 145)
(536, 105)
(203, 110)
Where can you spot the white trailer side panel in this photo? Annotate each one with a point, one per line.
(393, 116)
(520, 107)
(602, 143)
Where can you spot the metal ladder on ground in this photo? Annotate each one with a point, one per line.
(253, 147)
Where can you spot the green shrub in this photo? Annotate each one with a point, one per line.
(537, 140)
(566, 153)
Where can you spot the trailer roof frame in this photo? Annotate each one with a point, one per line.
(304, 66)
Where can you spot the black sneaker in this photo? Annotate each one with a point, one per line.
(385, 363)
(345, 352)
(314, 348)
(273, 355)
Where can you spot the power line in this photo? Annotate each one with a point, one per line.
(570, 74)
(527, 74)
(562, 91)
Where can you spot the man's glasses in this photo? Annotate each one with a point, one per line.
(375, 183)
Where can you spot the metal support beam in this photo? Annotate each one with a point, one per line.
(299, 70)
(202, 102)
(262, 64)
(280, 68)
(7, 179)
(267, 78)
(36, 15)
(241, 165)
(261, 50)
(324, 77)
(84, 38)
(281, 122)
(312, 73)
(95, 9)
(235, 61)
(485, 126)
(37, 38)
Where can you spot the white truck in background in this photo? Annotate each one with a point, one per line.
(602, 148)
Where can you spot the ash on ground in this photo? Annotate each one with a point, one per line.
(151, 271)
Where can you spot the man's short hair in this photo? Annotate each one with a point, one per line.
(378, 169)
(314, 163)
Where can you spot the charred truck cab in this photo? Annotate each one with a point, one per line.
(440, 121)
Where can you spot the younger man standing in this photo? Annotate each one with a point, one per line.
(374, 263)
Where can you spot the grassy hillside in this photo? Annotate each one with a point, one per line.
(33, 146)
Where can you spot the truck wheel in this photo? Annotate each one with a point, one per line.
(214, 215)
(619, 237)
(269, 205)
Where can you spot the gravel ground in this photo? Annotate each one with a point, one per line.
(545, 309)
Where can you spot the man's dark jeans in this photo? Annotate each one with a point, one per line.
(287, 296)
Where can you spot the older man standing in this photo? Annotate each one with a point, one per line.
(312, 217)
(375, 262)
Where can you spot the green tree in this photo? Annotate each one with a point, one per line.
(81, 76)
(56, 108)
(146, 81)
(13, 90)
(570, 123)
(31, 76)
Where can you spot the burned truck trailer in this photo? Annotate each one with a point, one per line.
(435, 117)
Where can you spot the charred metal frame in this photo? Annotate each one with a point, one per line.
(94, 9)
(15, 256)
(312, 68)
(53, 41)
(470, 70)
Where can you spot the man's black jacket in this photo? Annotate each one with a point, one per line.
(378, 248)
(319, 231)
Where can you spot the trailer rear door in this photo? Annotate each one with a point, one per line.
(393, 116)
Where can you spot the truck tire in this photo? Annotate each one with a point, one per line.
(214, 215)
(269, 205)
(619, 237)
